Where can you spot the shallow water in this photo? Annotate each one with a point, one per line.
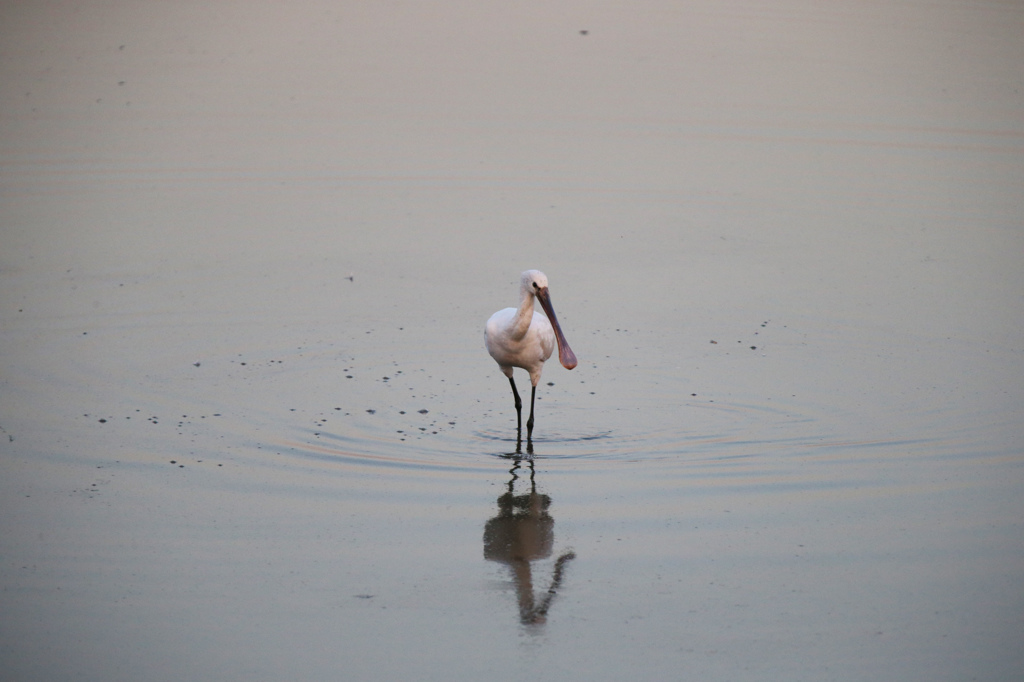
(249, 429)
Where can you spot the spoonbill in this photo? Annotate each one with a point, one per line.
(522, 337)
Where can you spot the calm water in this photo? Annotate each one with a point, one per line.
(249, 429)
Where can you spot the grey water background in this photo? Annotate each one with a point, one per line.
(249, 429)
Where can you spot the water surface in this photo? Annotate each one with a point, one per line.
(249, 429)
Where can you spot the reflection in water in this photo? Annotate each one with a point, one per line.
(521, 533)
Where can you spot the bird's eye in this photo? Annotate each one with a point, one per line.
(535, 286)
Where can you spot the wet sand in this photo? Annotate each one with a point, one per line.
(249, 428)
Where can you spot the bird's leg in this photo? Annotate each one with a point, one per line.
(529, 422)
(519, 407)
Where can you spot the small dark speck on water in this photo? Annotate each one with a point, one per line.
(753, 348)
(551, 383)
(371, 411)
(423, 411)
(103, 421)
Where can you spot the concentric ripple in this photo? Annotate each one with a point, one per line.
(718, 431)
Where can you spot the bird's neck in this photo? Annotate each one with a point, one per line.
(524, 316)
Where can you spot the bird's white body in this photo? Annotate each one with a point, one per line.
(522, 337)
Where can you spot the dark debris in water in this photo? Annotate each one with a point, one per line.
(185, 426)
(741, 341)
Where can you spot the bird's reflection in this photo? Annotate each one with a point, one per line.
(522, 533)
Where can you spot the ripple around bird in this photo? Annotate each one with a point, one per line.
(721, 435)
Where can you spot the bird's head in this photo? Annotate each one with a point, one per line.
(534, 281)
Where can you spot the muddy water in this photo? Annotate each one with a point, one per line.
(249, 427)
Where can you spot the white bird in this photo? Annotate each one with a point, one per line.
(522, 337)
